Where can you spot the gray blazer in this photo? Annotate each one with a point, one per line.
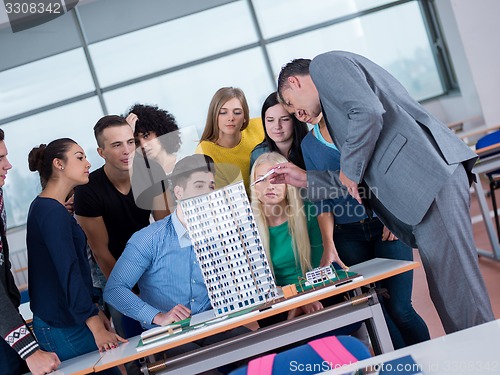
(386, 138)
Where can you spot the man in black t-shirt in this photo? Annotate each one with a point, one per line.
(105, 207)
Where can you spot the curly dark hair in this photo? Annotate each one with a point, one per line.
(161, 122)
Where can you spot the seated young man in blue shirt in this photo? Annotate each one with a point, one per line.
(161, 260)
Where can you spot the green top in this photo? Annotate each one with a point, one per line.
(286, 270)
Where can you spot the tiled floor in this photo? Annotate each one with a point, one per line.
(489, 268)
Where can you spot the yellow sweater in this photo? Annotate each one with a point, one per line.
(233, 164)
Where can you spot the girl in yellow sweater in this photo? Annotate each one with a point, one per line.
(230, 136)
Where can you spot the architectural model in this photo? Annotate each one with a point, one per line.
(229, 249)
(320, 274)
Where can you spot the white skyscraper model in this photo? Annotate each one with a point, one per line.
(229, 249)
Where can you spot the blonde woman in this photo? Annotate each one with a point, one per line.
(289, 232)
(230, 136)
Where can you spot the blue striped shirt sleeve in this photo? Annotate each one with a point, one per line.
(127, 271)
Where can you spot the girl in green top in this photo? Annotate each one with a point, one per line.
(289, 232)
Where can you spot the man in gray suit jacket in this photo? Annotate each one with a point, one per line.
(415, 171)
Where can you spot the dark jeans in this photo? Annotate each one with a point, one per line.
(10, 362)
(359, 242)
(66, 342)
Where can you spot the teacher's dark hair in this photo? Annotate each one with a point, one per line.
(297, 67)
(40, 158)
(2, 135)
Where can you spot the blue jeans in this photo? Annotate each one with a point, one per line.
(66, 342)
(359, 242)
(10, 362)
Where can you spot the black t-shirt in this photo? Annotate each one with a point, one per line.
(120, 214)
(148, 181)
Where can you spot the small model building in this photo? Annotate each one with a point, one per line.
(228, 249)
(320, 274)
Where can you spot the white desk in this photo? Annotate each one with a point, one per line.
(485, 165)
(474, 351)
(280, 334)
(458, 126)
(262, 340)
(81, 365)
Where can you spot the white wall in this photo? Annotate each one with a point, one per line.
(479, 29)
(472, 32)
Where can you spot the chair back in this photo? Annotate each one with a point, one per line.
(325, 354)
(25, 297)
(488, 140)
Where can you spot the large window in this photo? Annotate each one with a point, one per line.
(180, 60)
(74, 120)
(408, 55)
(173, 43)
(187, 93)
(44, 82)
(279, 17)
